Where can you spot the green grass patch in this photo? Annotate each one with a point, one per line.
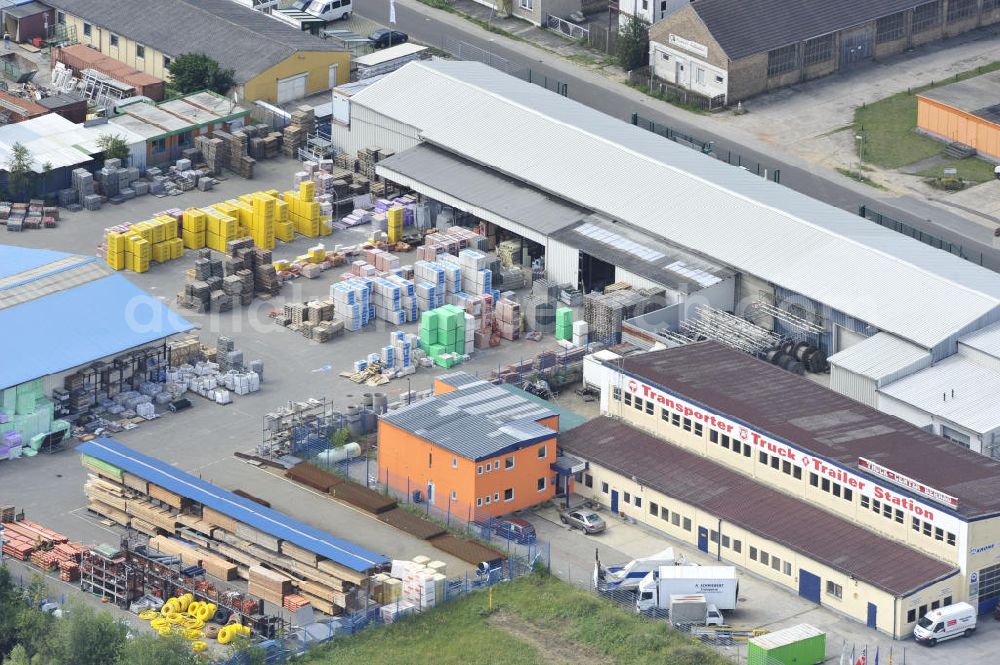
(860, 177)
(971, 170)
(889, 125)
(465, 632)
(645, 89)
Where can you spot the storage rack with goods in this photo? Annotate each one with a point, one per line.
(100, 380)
(111, 577)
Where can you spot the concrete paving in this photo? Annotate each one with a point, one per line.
(202, 440)
(761, 603)
(595, 87)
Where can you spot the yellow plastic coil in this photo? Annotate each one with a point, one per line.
(198, 646)
(193, 623)
(164, 631)
(245, 631)
(175, 618)
(159, 623)
(148, 615)
(192, 609)
(206, 611)
(185, 601)
(193, 634)
(225, 636)
(170, 607)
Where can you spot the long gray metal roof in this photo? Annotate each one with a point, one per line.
(597, 162)
(237, 37)
(642, 253)
(745, 27)
(882, 356)
(979, 96)
(482, 188)
(956, 389)
(477, 420)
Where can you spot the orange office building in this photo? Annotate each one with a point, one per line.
(471, 449)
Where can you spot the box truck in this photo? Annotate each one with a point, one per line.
(945, 623)
(690, 610)
(717, 583)
(797, 645)
(629, 575)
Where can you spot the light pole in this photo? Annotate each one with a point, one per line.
(1, 544)
(860, 138)
(409, 395)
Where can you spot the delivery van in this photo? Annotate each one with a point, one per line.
(945, 623)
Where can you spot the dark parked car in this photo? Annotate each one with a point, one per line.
(385, 37)
(514, 528)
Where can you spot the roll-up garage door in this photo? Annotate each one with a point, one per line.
(293, 87)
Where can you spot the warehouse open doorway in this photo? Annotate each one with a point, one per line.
(595, 273)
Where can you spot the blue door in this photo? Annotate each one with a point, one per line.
(872, 615)
(703, 539)
(614, 501)
(808, 585)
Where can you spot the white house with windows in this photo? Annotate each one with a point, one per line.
(649, 11)
(684, 63)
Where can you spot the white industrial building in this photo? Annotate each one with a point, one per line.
(957, 397)
(603, 200)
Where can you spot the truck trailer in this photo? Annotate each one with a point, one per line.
(717, 583)
(691, 610)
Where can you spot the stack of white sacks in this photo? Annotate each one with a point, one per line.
(581, 333)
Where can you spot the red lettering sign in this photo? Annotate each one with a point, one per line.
(907, 483)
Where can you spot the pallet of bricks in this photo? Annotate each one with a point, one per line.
(217, 284)
(605, 312)
(45, 549)
(295, 135)
(313, 320)
(226, 547)
(33, 215)
(229, 150)
(134, 246)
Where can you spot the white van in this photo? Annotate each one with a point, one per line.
(945, 623)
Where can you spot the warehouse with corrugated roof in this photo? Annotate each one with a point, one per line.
(677, 218)
(917, 491)
(823, 557)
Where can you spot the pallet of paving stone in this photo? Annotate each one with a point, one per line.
(362, 497)
(466, 550)
(412, 524)
(314, 477)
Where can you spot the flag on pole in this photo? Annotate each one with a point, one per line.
(863, 658)
(876, 655)
(392, 12)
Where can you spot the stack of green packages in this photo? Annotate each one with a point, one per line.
(564, 323)
(442, 335)
(25, 413)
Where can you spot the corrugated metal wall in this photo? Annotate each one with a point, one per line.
(855, 386)
(637, 282)
(562, 263)
(979, 357)
(369, 128)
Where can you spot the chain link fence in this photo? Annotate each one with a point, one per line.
(917, 234)
(463, 50)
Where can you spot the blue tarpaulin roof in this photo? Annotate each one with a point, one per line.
(76, 325)
(14, 260)
(249, 512)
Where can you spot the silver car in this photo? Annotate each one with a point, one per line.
(582, 518)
